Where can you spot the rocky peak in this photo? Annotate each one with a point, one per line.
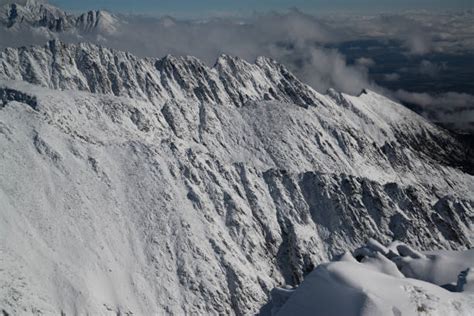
(230, 62)
(36, 13)
(96, 21)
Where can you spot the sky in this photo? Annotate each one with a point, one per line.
(189, 7)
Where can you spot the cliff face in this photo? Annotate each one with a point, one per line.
(165, 186)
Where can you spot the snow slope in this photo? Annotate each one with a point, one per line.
(374, 286)
(165, 186)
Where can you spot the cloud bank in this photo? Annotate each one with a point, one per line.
(453, 110)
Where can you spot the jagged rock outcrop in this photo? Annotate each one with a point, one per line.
(165, 186)
(10, 95)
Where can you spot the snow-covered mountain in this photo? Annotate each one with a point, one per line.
(152, 186)
(17, 14)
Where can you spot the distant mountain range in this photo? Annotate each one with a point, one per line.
(34, 13)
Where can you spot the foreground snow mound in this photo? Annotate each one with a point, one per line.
(374, 286)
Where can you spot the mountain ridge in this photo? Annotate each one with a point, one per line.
(231, 81)
(93, 68)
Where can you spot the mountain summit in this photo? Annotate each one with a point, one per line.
(35, 13)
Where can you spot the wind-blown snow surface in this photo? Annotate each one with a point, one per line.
(207, 189)
(375, 285)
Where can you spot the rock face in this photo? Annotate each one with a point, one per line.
(165, 186)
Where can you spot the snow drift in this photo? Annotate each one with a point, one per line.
(386, 281)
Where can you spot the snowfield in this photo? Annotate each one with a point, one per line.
(375, 285)
(169, 187)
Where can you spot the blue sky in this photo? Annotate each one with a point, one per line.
(187, 7)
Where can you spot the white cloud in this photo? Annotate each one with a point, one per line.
(392, 77)
(429, 68)
(451, 108)
(365, 62)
